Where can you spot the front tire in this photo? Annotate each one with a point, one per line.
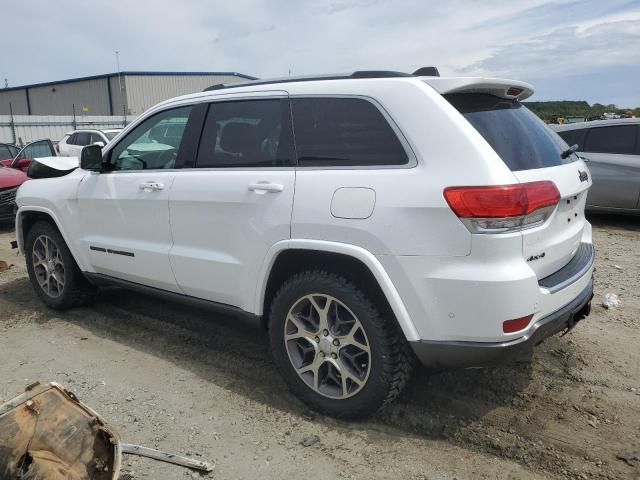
(53, 272)
(336, 350)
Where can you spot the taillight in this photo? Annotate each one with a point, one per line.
(516, 325)
(503, 208)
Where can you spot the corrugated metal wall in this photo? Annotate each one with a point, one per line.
(35, 127)
(118, 94)
(18, 100)
(145, 91)
(90, 97)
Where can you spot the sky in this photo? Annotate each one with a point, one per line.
(568, 49)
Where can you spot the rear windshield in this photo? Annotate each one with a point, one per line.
(520, 138)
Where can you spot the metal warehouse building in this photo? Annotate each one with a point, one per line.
(111, 94)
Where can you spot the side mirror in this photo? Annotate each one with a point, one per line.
(100, 144)
(91, 158)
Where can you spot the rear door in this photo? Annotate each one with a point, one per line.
(613, 155)
(235, 201)
(534, 153)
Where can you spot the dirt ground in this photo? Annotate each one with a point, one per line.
(186, 381)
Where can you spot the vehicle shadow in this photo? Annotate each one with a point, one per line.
(230, 352)
(622, 222)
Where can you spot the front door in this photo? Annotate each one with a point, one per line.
(124, 213)
(235, 201)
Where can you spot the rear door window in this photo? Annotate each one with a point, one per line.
(517, 135)
(574, 137)
(81, 138)
(619, 139)
(246, 133)
(96, 137)
(344, 132)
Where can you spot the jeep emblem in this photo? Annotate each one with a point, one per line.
(584, 176)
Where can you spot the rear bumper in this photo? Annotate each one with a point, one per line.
(462, 354)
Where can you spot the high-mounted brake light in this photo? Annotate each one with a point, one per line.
(514, 91)
(500, 208)
(516, 325)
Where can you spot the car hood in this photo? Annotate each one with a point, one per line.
(11, 177)
(59, 163)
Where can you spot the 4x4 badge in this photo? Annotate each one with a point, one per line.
(584, 176)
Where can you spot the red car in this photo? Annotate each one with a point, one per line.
(12, 171)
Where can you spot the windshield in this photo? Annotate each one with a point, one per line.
(516, 134)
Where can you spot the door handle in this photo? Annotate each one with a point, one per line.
(151, 186)
(266, 187)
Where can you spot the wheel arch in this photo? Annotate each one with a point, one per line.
(27, 216)
(292, 256)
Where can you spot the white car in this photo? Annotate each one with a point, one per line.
(73, 142)
(366, 220)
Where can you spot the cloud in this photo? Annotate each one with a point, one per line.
(567, 50)
(527, 39)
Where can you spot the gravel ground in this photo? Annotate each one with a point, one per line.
(185, 381)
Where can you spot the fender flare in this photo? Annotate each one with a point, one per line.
(359, 253)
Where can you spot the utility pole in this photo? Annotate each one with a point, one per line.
(6, 82)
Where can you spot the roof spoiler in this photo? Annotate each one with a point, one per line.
(500, 87)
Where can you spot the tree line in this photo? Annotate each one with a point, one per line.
(567, 108)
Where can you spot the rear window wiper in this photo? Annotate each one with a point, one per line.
(569, 151)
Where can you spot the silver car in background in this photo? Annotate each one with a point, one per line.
(611, 148)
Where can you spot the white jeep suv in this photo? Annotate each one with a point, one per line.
(366, 220)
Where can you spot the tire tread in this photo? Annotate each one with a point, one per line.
(398, 359)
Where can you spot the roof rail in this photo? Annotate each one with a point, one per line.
(378, 74)
(355, 75)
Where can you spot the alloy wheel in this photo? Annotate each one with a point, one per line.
(327, 346)
(48, 266)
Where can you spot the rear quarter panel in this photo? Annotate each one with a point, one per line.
(411, 216)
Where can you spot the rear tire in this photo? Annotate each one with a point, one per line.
(336, 351)
(53, 272)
